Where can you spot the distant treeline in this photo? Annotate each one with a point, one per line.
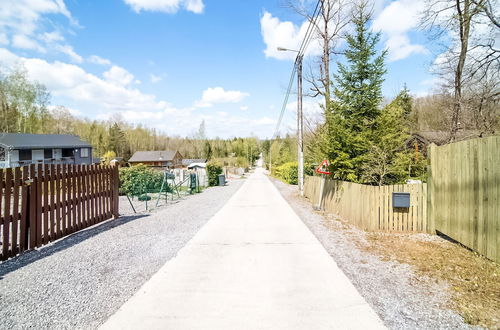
(25, 108)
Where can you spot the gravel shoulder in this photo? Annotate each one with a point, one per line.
(401, 297)
(79, 281)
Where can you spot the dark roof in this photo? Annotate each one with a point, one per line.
(189, 161)
(152, 156)
(34, 141)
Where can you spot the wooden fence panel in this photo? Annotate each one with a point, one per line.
(370, 207)
(7, 213)
(464, 189)
(42, 203)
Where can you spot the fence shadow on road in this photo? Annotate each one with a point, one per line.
(34, 255)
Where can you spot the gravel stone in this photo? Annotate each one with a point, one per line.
(81, 280)
(402, 299)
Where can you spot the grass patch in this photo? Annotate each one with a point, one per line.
(474, 281)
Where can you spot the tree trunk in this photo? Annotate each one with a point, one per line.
(464, 17)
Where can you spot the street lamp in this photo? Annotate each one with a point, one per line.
(300, 121)
(281, 49)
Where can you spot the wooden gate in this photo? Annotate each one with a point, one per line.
(42, 203)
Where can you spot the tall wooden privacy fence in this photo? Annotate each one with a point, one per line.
(461, 199)
(464, 193)
(42, 203)
(370, 207)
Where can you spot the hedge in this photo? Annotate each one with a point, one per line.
(213, 171)
(137, 180)
(288, 172)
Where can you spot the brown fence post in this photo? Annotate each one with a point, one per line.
(115, 182)
(32, 198)
(24, 234)
(7, 218)
(38, 205)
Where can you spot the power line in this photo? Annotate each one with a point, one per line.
(301, 51)
(310, 28)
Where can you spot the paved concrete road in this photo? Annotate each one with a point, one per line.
(254, 265)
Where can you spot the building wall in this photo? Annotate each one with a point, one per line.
(80, 159)
(12, 158)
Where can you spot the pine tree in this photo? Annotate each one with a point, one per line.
(207, 152)
(359, 82)
(116, 139)
(351, 118)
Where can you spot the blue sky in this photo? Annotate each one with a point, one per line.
(170, 64)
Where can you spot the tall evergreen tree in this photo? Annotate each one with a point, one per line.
(116, 140)
(351, 120)
(359, 82)
(207, 152)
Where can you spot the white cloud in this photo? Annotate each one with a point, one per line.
(3, 39)
(24, 42)
(68, 50)
(284, 34)
(310, 107)
(24, 25)
(313, 114)
(395, 21)
(52, 36)
(196, 6)
(244, 108)
(155, 79)
(265, 121)
(115, 95)
(166, 6)
(98, 60)
(118, 76)
(215, 95)
(23, 16)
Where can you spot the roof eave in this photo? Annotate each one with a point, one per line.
(49, 147)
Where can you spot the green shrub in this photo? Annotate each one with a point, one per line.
(137, 180)
(288, 172)
(144, 197)
(213, 171)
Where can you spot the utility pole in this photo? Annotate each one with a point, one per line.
(300, 119)
(270, 162)
(300, 126)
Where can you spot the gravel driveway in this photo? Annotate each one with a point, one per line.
(79, 281)
(402, 299)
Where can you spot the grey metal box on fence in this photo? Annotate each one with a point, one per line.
(401, 199)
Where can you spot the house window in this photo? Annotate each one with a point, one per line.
(25, 154)
(2, 154)
(47, 153)
(68, 152)
(84, 152)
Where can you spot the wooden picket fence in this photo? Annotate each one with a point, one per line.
(42, 203)
(370, 207)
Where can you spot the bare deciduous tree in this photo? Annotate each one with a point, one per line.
(471, 54)
(333, 18)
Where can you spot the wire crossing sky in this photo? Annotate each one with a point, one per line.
(170, 64)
